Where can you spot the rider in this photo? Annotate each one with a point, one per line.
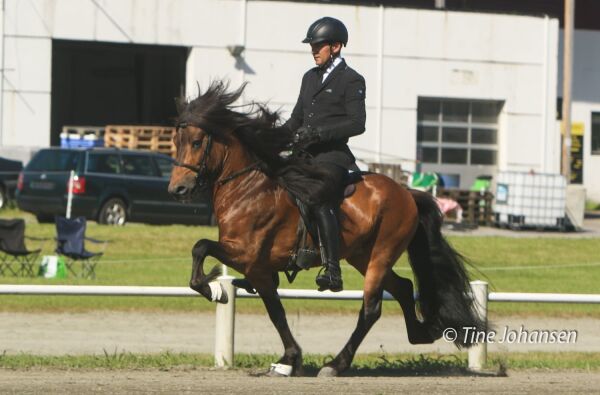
(330, 109)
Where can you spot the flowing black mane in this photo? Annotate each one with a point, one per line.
(254, 124)
(257, 128)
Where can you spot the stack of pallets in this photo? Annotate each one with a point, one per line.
(477, 206)
(151, 138)
(392, 170)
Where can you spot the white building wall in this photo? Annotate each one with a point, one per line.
(425, 53)
(585, 100)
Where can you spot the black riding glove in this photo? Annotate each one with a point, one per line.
(305, 136)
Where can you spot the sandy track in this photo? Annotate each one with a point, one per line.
(239, 381)
(92, 333)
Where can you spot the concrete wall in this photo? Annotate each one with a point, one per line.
(403, 54)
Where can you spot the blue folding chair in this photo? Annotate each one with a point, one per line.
(13, 249)
(70, 243)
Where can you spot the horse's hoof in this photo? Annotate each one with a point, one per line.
(327, 371)
(218, 293)
(279, 370)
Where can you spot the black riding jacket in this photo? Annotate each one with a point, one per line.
(334, 108)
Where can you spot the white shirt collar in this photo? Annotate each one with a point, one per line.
(332, 66)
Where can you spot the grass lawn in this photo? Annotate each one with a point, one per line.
(161, 255)
(368, 364)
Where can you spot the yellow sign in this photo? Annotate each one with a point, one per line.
(577, 129)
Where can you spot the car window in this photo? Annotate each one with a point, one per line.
(103, 163)
(165, 166)
(138, 165)
(54, 160)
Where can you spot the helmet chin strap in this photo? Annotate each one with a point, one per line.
(331, 58)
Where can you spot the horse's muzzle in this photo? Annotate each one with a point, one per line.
(182, 192)
(179, 191)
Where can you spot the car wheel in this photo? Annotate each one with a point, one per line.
(3, 197)
(113, 212)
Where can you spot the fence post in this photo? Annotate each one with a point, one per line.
(70, 193)
(478, 352)
(225, 325)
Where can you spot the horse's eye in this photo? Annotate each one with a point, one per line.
(196, 144)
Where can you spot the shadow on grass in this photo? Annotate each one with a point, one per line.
(417, 366)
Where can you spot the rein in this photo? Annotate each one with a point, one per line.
(201, 168)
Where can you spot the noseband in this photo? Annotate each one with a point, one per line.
(202, 166)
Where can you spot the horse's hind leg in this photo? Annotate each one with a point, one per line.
(369, 314)
(402, 290)
(266, 287)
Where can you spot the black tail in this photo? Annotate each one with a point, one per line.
(444, 289)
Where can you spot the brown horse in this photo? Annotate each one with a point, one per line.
(237, 155)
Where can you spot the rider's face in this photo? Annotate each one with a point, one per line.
(322, 52)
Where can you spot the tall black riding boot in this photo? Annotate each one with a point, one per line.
(331, 277)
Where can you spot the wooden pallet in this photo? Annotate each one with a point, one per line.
(477, 207)
(392, 170)
(150, 138)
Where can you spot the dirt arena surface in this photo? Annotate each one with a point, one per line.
(206, 381)
(138, 332)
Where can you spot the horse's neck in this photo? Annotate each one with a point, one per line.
(239, 187)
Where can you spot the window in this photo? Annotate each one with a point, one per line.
(138, 165)
(596, 133)
(460, 132)
(54, 160)
(103, 163)
(165, 166)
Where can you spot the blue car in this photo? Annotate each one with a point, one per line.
(112, 186)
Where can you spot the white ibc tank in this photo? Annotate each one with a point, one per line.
(530, 200)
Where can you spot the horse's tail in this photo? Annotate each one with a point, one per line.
(443, 283)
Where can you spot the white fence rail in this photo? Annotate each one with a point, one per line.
(225, 313)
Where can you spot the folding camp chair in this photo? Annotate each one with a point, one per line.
(13, 249)
(70, 239)
(427, 182)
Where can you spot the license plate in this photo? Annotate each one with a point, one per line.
(42, 185)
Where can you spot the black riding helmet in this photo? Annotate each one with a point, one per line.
(326, 29)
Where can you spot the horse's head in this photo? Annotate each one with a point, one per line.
(204, 131)
(212, 130)
(198, 155)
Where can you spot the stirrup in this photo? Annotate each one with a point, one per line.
(325, 281)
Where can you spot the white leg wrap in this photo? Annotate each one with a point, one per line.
(216, 291)
(284, 370)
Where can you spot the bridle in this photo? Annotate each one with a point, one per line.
(200, 170)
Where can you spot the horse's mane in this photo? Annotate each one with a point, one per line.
(258, 129)
(254, 124)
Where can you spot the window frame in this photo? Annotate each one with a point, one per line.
(595, 151)
(469, 125)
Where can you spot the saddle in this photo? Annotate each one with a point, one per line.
(306, 252)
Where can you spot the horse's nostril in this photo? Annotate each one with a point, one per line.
(180, 190)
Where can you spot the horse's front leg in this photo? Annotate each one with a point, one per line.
(290, 364)
(201, 282)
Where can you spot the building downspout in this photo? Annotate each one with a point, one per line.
(244, 23)
(378, 137)
(545, 75)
